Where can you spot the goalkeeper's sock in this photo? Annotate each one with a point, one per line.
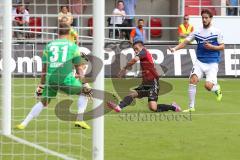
(192, 89)
(165, 107)
(82, 105)
(126, 101)
(36, 110)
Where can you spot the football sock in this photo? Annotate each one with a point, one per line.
(36, 110)
(215, 88)
(191, 93)
(82, 105)
(126, 101)
(165, 107)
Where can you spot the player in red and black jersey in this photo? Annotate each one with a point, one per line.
(150, 82)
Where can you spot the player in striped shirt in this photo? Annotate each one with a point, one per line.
(209, 44)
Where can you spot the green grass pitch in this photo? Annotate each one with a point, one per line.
(210, 133)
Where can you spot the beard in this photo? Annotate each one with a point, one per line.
(206, 25)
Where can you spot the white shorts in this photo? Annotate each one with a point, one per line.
(209, 69)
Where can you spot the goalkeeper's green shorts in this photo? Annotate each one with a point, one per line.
(70, 86)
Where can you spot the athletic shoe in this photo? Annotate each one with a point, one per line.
(189, 110)
(114, 106)
(219, 94)
(20, 127)
(82, 125)
(177, 107)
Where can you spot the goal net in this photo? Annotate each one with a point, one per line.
(47, 136)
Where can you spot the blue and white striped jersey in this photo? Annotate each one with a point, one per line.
(211, 35)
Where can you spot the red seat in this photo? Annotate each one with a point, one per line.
(156, 22)
(90, 24)
(195, 10)
(36, 23)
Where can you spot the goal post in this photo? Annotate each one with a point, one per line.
(6, 73)
(98, 51)
(46, 136)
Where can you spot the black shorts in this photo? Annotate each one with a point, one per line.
(148, 89)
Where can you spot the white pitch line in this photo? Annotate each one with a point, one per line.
(48, 151)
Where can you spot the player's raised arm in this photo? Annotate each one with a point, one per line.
(179, 46)
(129, 65)
(187, 40)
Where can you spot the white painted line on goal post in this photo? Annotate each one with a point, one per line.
(43, 149)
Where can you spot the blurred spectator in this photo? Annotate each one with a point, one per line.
(118, 21)
(77, 7)
(138, 33)
(73, 33)
(65, 13)
(20, 17)
(130, 6)
(232, 11)
(184, 29)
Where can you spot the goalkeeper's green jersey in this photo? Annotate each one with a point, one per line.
(60, 56)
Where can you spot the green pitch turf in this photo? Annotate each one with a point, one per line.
(210, 133)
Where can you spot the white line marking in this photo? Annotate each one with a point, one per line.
(48, 151)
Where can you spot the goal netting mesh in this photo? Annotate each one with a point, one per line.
(46, 137)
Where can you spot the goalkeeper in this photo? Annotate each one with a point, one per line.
(59, 58)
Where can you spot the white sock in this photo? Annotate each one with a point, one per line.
(36, 110)
(215, 88)
(192, 89)
(82, 105)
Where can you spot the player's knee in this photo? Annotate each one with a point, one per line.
(152, 106)
(45, 102)
(208, 86)
(133, 94)
(194, 79)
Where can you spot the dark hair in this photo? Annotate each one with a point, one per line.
(140, 20)
(120, 1)
(63, 29)
(137, 42)
(63, 7)
(206, 11)
(19, 4)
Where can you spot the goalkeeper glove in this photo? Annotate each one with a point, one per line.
(39, 90)
(87, 90)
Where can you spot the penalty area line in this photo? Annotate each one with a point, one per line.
(43, 149)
